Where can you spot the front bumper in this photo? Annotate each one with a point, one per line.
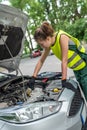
(57, 121)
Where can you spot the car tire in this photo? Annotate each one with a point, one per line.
(31, 57)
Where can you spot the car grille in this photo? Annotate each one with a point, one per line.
(75, 104)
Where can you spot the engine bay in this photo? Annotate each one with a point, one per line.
(15, 90)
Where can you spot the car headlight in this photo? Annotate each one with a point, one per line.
(31, 112)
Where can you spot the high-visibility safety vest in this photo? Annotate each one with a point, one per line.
(75, 62)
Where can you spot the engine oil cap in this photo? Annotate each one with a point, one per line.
(56, 90)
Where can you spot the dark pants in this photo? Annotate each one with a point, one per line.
(81, 75)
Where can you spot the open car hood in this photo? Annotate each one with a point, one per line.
(13, 24)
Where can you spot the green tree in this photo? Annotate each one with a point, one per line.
(78, 29)
(63, 14)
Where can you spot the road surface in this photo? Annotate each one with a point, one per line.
(51, 64)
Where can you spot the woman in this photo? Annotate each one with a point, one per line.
(65, 47)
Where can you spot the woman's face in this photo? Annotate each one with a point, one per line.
(45, 43)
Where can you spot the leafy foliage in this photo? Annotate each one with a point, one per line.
(78, 29)
(68, 15)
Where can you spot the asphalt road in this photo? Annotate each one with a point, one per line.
(51, 64)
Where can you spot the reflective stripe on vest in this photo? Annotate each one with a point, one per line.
(80, 62)
(75, 62)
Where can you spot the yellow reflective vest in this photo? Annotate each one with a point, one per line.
(75, 62)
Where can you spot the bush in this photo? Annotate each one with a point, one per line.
(78, 29)
(85, 35)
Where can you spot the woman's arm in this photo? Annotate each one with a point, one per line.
(41, 61)
(64, 49)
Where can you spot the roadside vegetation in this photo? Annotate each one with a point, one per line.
(68, 15)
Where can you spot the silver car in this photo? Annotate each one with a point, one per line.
(48, 106)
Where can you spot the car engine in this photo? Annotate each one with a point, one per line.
(16, 90)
